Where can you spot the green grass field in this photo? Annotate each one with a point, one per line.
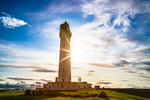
(112, 95)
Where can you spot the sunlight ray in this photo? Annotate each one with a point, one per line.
(65, 50)
(67, 41)
(65, 58)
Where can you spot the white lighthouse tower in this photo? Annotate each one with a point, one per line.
(65, 54)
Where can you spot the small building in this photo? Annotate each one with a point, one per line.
(97, 87)
(67, 86)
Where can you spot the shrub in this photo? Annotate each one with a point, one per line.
(103, 95)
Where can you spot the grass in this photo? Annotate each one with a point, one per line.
(76, 95)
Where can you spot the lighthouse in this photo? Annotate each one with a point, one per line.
(64, 74)
(63, 81)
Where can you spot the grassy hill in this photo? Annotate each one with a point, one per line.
(71, 95)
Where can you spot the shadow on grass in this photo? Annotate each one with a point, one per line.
(24, 97)
(41, 95)
(50, 93)
(64, 93)
(138, 92)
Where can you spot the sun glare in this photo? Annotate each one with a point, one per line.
(77, 53)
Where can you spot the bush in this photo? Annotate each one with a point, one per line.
(103, 95)
(28, 92)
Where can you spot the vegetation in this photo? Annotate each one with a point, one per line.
(69, 95)
(138, 92)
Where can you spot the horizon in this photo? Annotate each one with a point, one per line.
(109, 44)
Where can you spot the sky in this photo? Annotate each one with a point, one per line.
(110, 43)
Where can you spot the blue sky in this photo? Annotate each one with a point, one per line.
(109, 45)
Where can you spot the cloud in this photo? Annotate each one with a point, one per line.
(146, 63)
(145, 76)
(76, 68)
(136, 86)
(18, 56)
(10, 22)
(38, 83)
(20, 79)
(139, 30)
(22, 82)
(130, 17)
(90, 72)
(142, 49)
(129, 71)
(120, 63)
(18, 51)
(111, 12)
(52, 10)
(101, 65)
(45, 80)
(15, 86)
(34, 68)
(49, 29)
(44, 70)
(124, 80)
(2, 80)
(27, 79)
(64, 7)
(106, 83)
(15, 66)
(145, 68)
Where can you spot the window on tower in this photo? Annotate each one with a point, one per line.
(62, 85)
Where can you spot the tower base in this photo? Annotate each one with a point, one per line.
(66, 86)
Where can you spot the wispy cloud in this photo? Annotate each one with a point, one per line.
(44, 80)
(20, 79)
(145, 69)
(52, 9)
(2, 80)
(136, 86)
(102, 65)
(90, 72)
(20, 85)
(15, 66)
(129, 71)
(145, 76)
(10, 22)
(121, 63)
(38, 82)
(125, 80)
(31, 68)
(44, 70)
(25, 56)
(104, 83)
(109, 10)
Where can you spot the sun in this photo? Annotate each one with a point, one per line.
(77, 53)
